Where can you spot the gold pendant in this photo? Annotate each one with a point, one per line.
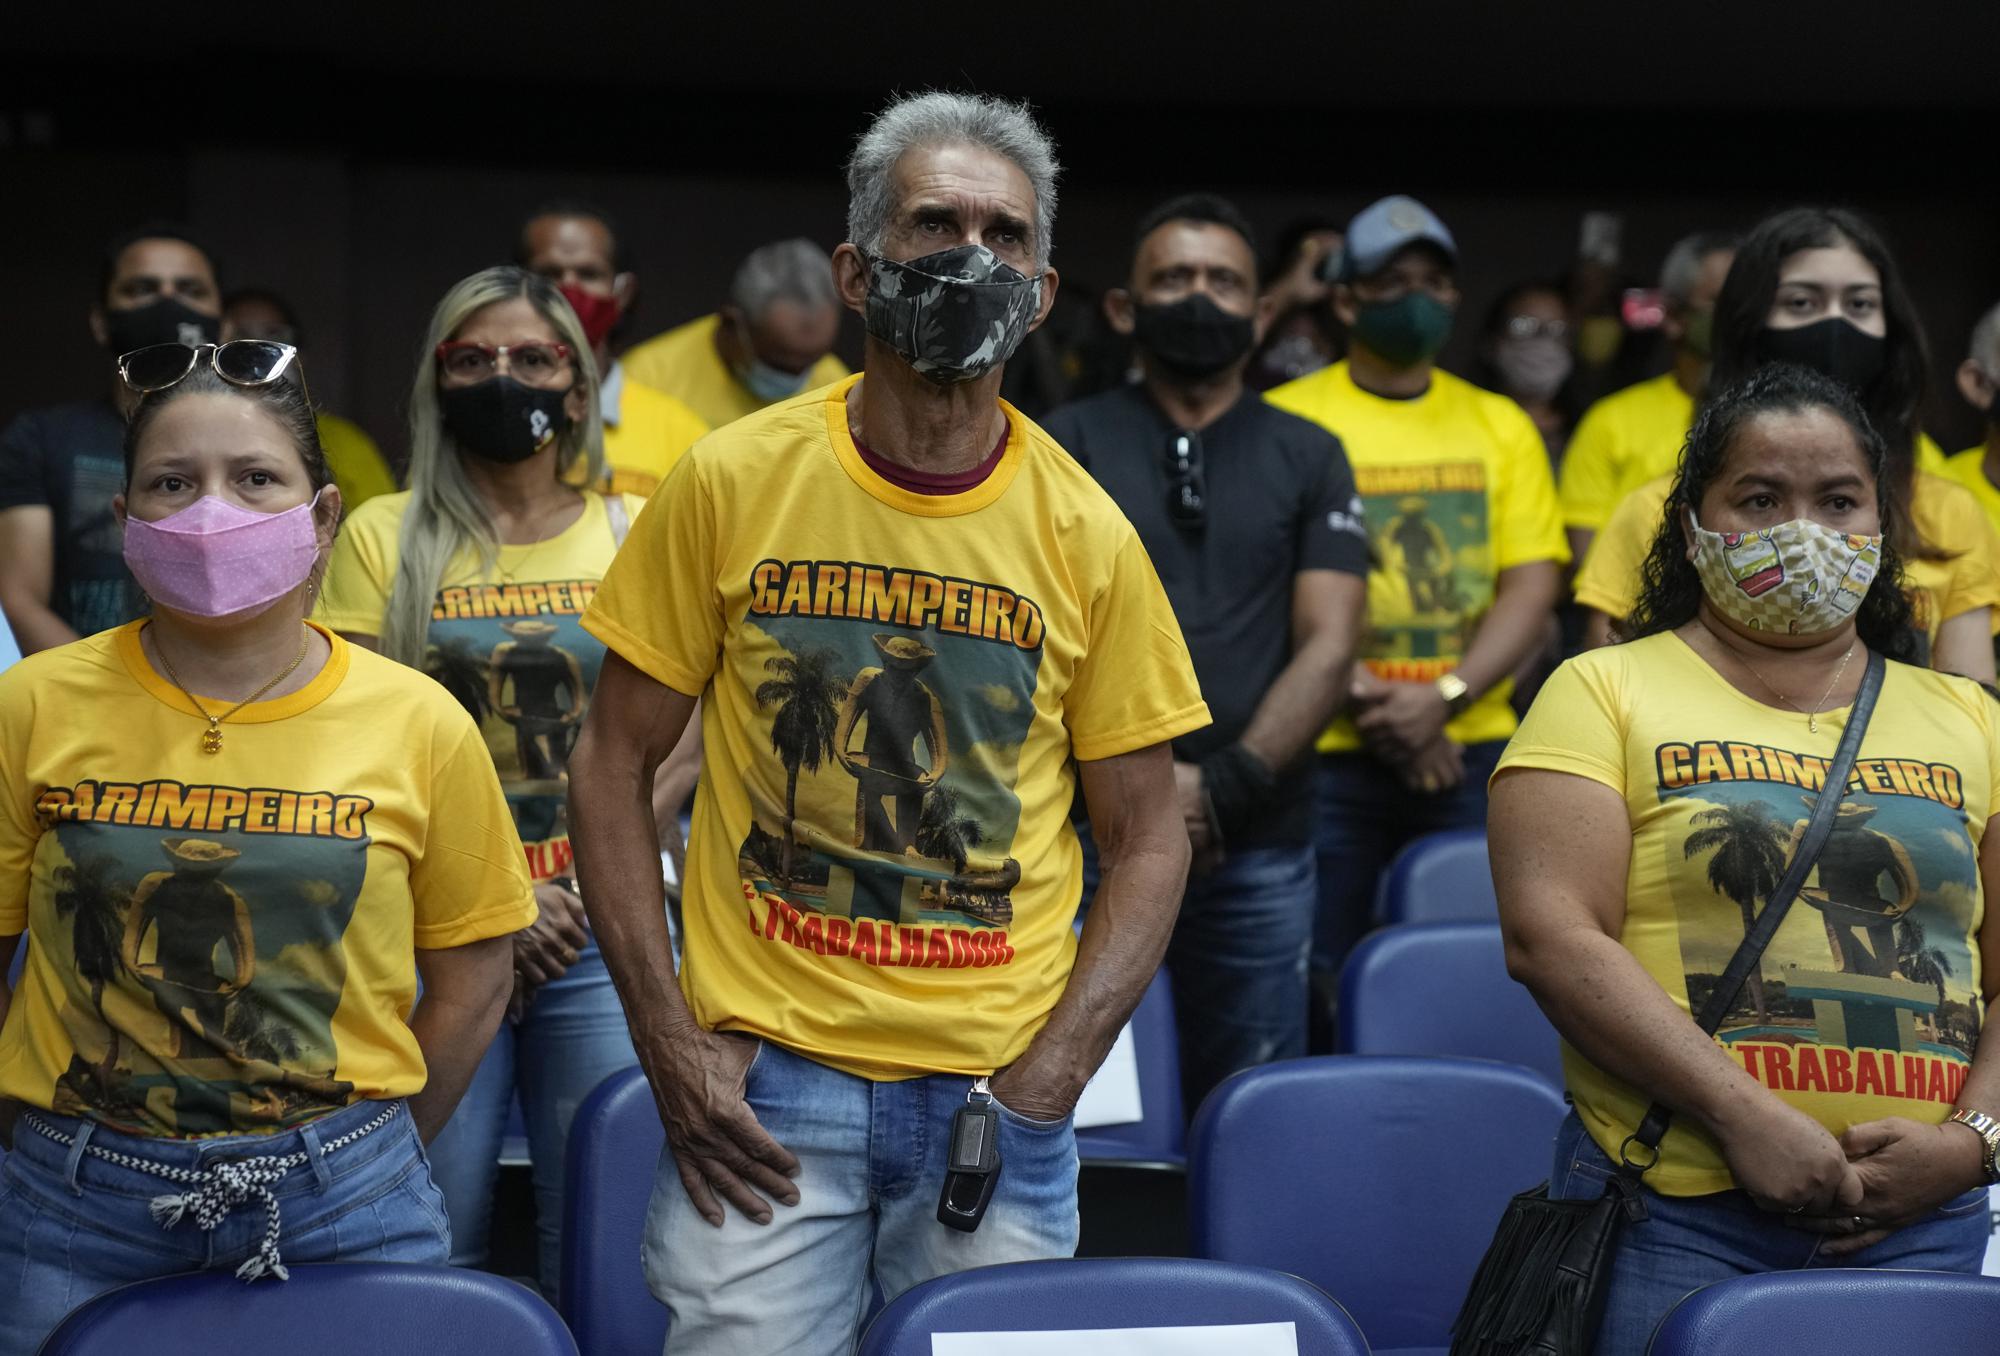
(211, 740)
(1812, 723)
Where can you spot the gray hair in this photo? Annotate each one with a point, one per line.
(937, 118)
(1683, 266)
(786, 270)
(1986, 344)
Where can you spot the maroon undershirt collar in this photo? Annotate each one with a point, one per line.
(927, 482)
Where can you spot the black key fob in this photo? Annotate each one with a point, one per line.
(972, 1165)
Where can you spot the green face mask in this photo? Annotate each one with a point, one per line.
(1699, 338)
(1406, 331)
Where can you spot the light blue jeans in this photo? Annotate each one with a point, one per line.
(73, 1226)
(572, 1037)
(872, 1162)
(1687, 1242)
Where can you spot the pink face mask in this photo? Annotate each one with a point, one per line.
(213, 559)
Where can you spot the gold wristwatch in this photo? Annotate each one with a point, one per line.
(1987, 1129)
(1455, 692)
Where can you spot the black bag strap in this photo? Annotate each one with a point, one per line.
(1723, 996)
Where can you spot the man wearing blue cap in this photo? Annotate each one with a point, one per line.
(1468, 541)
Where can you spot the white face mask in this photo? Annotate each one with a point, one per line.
(1798, 578)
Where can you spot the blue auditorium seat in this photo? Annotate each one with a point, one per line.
(614, 1152)
(1160, 1140)
(1379, 1178)
(1110, 1292)
(1442, 989)
(1441, 877)
(1847, 1312)
(325, 1309)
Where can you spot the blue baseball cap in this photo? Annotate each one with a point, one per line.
(1382, 228)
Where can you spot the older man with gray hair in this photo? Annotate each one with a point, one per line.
(1633, 435)
(769, 342)
(915, 627)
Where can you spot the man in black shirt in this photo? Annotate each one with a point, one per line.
(62, 564)
(1250, 517)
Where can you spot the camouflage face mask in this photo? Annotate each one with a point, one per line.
(955, 315)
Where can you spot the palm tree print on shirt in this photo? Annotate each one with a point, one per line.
(1749, 858)
(807, 693)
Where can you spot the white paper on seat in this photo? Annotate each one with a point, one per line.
(1112, 1095)
(1232, 1339)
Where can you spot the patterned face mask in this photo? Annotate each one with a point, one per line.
(1799, 578)
(955, 315)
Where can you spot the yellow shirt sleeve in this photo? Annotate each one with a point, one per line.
(354, 595)
(673, 636)
(1135, 685)
(1612, 573)
(1576, 725)
(1527, 522)
(1930, 457)
(471, 882)
(18, 829)
(1588, 488)
(359, 469)
(1974, 581)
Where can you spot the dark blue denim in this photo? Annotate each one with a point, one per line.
(69, 1231)
(1363, 816)
(1687, 1242)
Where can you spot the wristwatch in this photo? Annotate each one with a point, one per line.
(1455, 692)
(1987, 1129)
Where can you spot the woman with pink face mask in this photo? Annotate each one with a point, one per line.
(232, 841)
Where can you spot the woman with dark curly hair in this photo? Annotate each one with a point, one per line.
(1817, 286)
(1652, 800)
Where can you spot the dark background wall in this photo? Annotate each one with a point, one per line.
(360, 158)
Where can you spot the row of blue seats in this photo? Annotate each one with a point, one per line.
(445, 1311)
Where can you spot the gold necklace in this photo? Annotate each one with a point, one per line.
(1812, 716)
(211, 738)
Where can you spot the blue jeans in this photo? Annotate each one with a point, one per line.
(1238, 963)
(73, 1226)
(571, 1038)
(1237, 959)
(1363, 816)
(871, 1164)
(1687, 1242)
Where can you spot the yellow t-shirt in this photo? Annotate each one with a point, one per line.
(360, 472)
(506, 641)
(1622, 441)
(1457, 488)
(652, 431)
(684, 363)
(882, 874)
(1945, 515)
(1867, 1003)
(1968, 468)
(224, 943)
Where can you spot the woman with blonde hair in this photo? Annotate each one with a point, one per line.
(477, 574)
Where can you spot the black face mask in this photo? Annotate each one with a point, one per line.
(1192, 337)
(502, 420)
(166, 321)
(1831, 347)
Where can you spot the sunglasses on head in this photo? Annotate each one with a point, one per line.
(1187, 483)
(240, 362)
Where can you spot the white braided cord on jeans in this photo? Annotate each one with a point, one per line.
(218, 1189)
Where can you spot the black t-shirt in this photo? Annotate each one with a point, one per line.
(70, 459)
(1280, 499)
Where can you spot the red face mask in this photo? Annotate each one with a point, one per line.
(598, 314)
